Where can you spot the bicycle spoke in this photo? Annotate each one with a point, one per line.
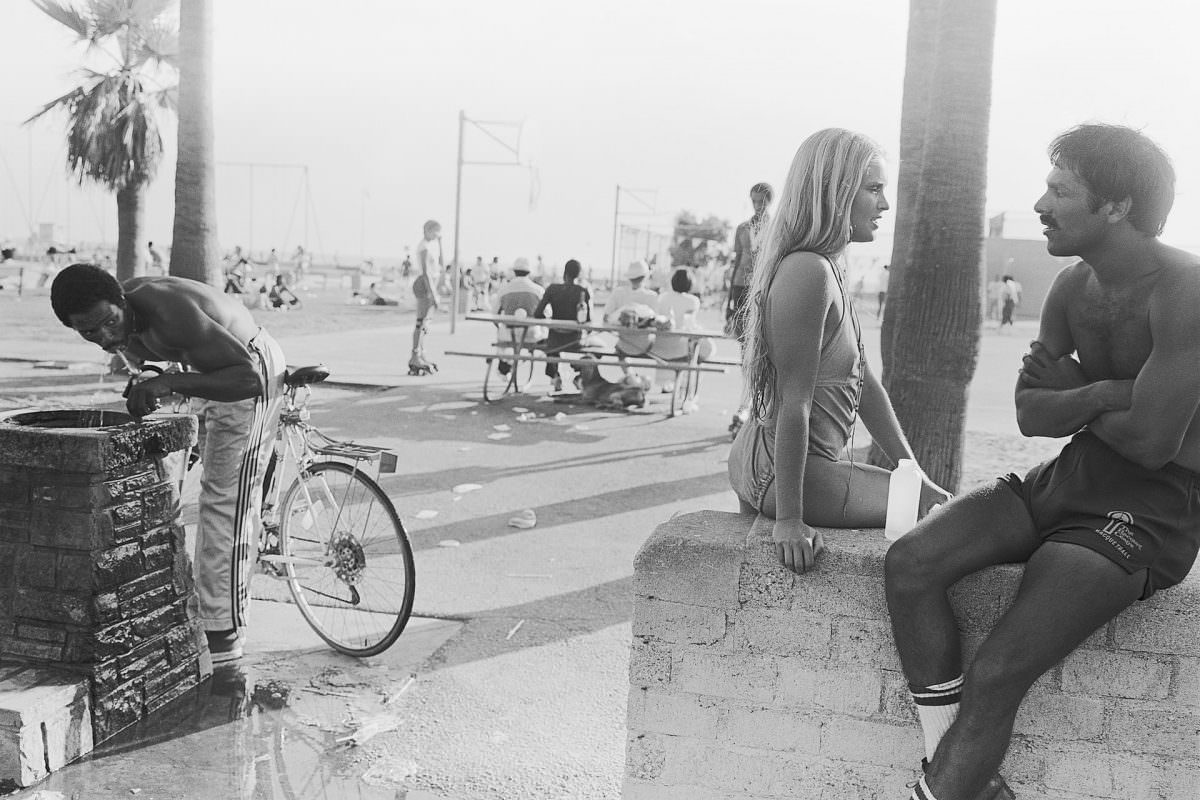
(341, 537)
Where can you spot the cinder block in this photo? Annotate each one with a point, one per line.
(44, 722)
(1149, 728)
(1120, 674)
(1162, 624)
(865, 741)
(635, 789)
(1185, 689)
(843, 780)
(808, 684)
(678, 622)
(738, 770)
(1084, 772)
(692, 558)
(1060, 716)
(649, 664)
(781, 632)
(645, 756)
(652, 711)
(769, 729)
(741, 676)
(864, 642)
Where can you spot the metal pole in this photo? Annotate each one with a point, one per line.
(457, 215)
(612, 272)
(307, 202)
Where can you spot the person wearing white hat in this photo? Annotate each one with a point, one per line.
(518, 297)
(635, 342)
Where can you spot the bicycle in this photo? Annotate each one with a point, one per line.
(334, 536)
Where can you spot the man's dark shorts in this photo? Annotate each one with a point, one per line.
(1138, 518)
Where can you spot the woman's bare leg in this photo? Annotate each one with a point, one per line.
(839, 494)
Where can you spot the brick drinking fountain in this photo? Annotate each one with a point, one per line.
(97, 621)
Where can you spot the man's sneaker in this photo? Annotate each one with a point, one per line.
(225, 646)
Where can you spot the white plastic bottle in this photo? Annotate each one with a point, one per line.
(904, 496)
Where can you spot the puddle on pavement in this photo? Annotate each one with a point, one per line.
(240, 736)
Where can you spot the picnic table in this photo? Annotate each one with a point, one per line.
(516, 345)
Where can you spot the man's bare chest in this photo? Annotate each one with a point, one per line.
(151, 347)
(1111, 330)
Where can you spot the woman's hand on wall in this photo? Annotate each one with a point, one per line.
(796, 544)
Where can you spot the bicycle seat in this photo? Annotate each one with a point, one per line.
(303, 376)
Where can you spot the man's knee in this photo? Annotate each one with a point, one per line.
(998, 677)
(903, 567)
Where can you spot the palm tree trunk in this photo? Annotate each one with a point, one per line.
(936, 313)
(194, 247)
(130, 216)
(921, 59)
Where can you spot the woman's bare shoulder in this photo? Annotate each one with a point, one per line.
(804, 269)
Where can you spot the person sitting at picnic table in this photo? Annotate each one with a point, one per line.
(518, 297)
(569, 301)
(635, 341)
(680, 307)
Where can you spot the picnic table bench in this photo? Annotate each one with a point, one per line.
(516, 346)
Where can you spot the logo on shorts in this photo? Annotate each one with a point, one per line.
(1118, 533)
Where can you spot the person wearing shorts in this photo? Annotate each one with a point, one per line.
(429, 262)
(747, 241)
(1115, 517)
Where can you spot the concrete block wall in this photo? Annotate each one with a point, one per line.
(748, 682)
(95, 578)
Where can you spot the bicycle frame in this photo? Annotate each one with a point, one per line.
(300, 444)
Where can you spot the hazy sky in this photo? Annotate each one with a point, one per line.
(693, 101)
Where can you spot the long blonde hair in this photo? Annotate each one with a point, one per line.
(813, 215)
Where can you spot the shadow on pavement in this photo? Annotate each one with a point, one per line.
(494, 632)
(582, 509)
(400, 485)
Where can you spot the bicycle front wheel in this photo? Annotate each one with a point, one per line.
(348, 560)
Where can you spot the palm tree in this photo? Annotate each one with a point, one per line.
(194, 248)
(931, 333)
(113, 116)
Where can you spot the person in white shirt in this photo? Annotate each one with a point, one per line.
(635, 293)
(518, 297)
(680, 306)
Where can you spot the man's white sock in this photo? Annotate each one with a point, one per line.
(921, 791)
(937, 708)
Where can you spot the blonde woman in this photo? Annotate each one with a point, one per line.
(807, 380)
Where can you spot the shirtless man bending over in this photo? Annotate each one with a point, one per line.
(1115, 516)
(234, 371)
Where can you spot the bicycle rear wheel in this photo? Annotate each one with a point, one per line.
(348, 560)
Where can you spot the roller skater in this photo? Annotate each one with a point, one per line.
(418, 364)
(429, 260)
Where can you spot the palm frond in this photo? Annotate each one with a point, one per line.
(150, 10)
(109, 17)
(159, 42)
(68, 15)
